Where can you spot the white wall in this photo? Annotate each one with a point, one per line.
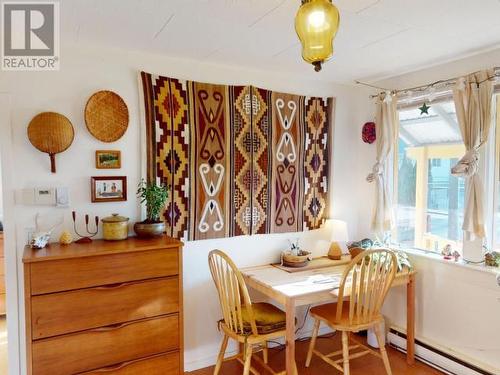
(457, 308)
(85, 71)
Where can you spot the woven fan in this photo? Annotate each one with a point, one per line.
(52, 133)
(106, 116)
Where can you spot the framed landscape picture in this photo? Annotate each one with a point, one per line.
(108, 159)
(109, 189)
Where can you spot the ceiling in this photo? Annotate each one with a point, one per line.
(377, 39)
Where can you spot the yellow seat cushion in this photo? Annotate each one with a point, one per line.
(268, 318)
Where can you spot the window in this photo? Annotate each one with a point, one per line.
(430, 201)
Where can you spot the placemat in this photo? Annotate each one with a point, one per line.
(316, 263)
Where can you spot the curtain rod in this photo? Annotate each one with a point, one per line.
(422, 88)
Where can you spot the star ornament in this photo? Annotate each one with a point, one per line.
(424, 109)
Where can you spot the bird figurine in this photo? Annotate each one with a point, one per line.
(66, 238)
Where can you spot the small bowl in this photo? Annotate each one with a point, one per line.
(291, 260)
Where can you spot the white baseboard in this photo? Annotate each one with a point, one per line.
(435, 357)
(210, 359)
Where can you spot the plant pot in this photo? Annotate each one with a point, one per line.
(149, 230)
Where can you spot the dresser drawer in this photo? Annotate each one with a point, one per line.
(77, 273)
(78, 310)
(2, 266)
(102, 347)
(163, 364)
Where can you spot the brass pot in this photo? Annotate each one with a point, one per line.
(115, 228)
(148, 230)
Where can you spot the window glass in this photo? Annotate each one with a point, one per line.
(430, 201)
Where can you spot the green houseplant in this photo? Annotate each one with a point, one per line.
(154, 197)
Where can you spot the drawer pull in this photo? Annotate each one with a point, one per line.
(113, 368)
(112, 286)
(112, 327)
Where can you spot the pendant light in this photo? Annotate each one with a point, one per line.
(316, 24)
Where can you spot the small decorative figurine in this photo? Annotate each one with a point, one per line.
(446, 252)
(456, 255)
(66, 238)
(86, 239)
(40, 238)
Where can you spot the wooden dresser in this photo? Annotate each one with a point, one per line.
(112, 308)
(2, 277)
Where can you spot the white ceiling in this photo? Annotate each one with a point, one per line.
(377, 38)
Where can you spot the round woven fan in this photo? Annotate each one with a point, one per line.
(52, 133)
(106, 116)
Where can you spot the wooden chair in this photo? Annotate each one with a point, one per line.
(251, 325)
(365, 284)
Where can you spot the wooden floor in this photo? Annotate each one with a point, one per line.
(367, 365)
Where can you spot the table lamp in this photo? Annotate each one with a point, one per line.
(338, 230)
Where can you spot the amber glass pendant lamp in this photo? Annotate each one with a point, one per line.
(316, 23)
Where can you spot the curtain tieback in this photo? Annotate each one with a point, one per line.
(377, 170)
(468, 166)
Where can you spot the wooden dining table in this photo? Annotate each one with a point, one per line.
(313, 286)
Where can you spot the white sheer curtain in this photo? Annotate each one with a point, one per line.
(387, 131)
(473, 98)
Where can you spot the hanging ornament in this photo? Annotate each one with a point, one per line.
(368, 133)
(424, 109)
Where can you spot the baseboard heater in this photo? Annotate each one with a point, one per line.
(434, 357)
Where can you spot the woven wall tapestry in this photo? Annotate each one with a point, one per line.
(239, 160)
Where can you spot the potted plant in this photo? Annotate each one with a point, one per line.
(155, 197)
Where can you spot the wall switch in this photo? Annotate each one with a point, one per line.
(498, 279)
(62, 197)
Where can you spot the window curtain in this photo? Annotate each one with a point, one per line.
(387, 120)
(473, 96)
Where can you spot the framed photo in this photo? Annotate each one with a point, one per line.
(108, 159)
(109, 189)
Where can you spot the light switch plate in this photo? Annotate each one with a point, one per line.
(62, 197)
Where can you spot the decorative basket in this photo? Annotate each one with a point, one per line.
(290, 260)
(106, 116)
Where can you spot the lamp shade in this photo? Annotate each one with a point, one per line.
(338, 230)
(316, 24)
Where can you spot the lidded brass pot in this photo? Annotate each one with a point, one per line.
(115, 228)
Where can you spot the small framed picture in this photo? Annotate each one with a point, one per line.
(109, 189)
(108, 159)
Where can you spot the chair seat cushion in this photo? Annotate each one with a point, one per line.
(328, 313)
(268, 318)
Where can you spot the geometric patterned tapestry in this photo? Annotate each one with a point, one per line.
(239, 160)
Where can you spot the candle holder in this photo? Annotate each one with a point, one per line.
(87, 238)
